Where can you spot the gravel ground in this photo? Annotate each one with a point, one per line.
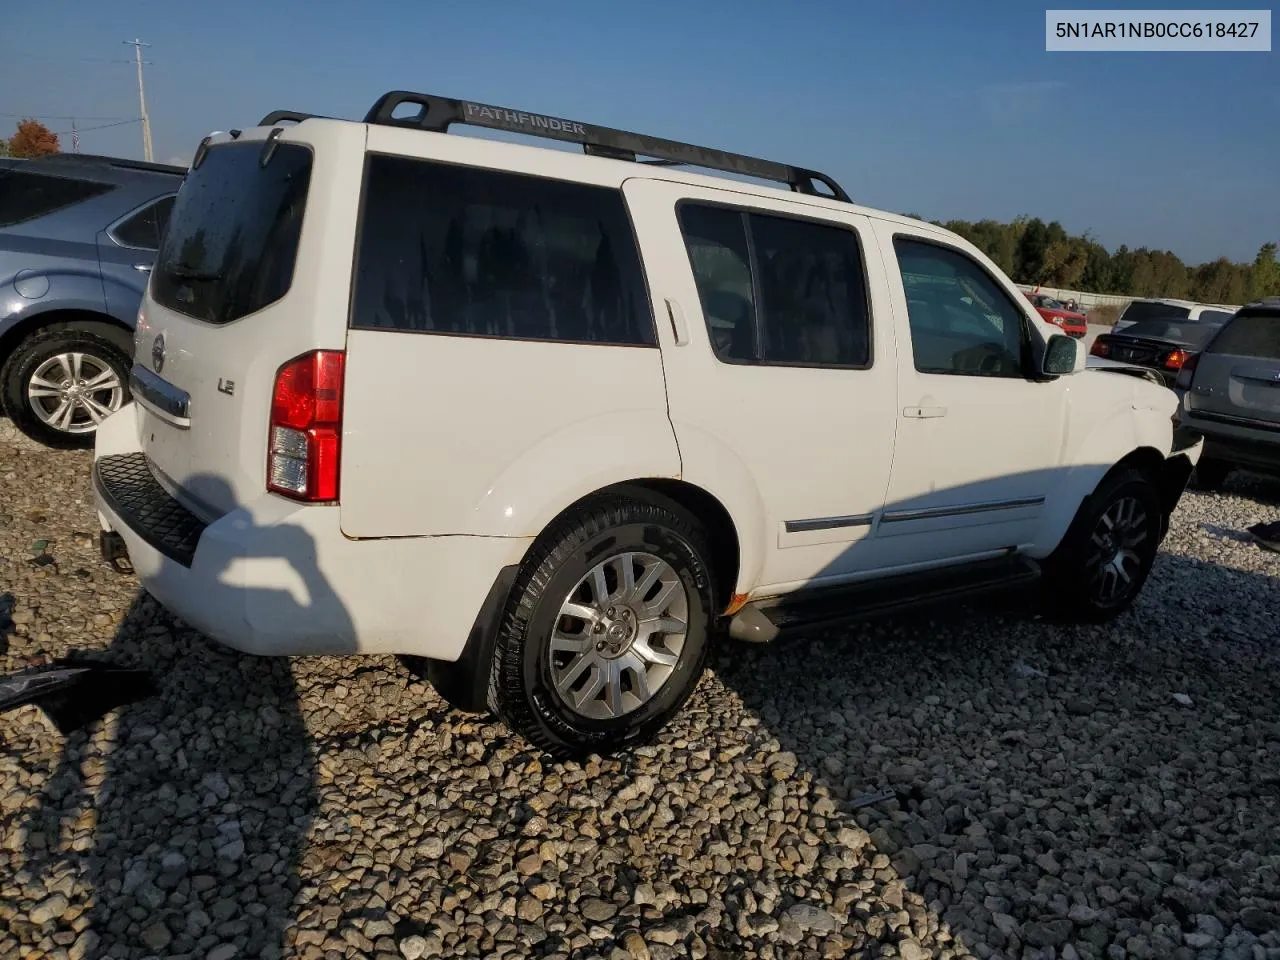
(1056, 792)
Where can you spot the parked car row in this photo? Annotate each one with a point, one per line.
(547, 423)
(1143, 308)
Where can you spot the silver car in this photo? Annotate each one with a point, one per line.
(1231, 395)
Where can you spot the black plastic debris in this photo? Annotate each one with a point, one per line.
(1267, 535)
(74, 692)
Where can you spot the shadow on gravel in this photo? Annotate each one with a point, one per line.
(1045, 785)
(192, 824)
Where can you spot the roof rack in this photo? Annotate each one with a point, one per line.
(121, 162)
(437, 114)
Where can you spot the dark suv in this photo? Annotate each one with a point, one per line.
(78, 235)
(1231, 395)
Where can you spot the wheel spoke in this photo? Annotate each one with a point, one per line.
(562, 642)
(106, 380)
(644, 649)
(43, 384)
(614, 668)
(664, 597)
(664, 625)
(581, 611)
(97, 412)
(639, 677)
(65, 367)
(575, 670)
(64, 410)
(626, 576)
(593, 686)
(599, 585)
(77, 366)
(651, 574)
(38, 389)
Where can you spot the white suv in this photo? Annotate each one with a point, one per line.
(547, 423)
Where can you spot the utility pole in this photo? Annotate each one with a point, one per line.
(142, 99)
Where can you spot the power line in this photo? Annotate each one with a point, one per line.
(66, 116)
(104, 126)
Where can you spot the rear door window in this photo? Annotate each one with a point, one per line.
(778, 290)
(1250, 335)
(456, 250)
(25, 195)
(232, 237)
(146, 227)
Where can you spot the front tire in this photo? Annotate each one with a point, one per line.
(607, 629)
(58, 386)
(1102, 563)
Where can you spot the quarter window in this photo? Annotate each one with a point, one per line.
(457, 250)
(778, 290)
(145, 228)
(962, 321)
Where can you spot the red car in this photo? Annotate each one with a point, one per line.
(1072, 323)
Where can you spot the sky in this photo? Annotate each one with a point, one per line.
(945, 109)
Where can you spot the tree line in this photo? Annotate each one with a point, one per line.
(1032, 251)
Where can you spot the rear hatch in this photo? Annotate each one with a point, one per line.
(1238, 376)
(253, 271)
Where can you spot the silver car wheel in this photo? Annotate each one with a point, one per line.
(74, 392)
(618, 636)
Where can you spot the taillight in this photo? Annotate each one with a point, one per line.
(1175, 360)
(305, 434)
(1100, 348)
(1186, 372)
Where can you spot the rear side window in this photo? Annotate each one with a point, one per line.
(1250, 335)
(232, 238)
(145, 228)
(458, 250)
(778, 290)
(25, 196)
(1214, 316)
(1149, 310)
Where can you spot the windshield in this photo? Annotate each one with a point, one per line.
(1193, 334)
(1152, 309)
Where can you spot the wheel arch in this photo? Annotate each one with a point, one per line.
(91, 321)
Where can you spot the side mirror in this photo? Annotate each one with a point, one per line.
(1060, 355)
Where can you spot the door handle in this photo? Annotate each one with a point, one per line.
(924, 413)
(142, 267)
(679, 329)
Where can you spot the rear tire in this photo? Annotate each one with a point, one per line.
(1210, 475)
(607, 628)
(1102, 563)
(47, 401)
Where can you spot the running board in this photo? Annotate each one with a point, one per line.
(763, 620)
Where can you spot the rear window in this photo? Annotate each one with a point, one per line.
(1193, 334)
(456, 250)
(25, 196)
(1250, 335)
(232, 238)
(1152, 310)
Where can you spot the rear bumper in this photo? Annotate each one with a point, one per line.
(280, 578)
(1253, 448)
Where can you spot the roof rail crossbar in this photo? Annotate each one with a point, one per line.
(439, 113)
(287, 116)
